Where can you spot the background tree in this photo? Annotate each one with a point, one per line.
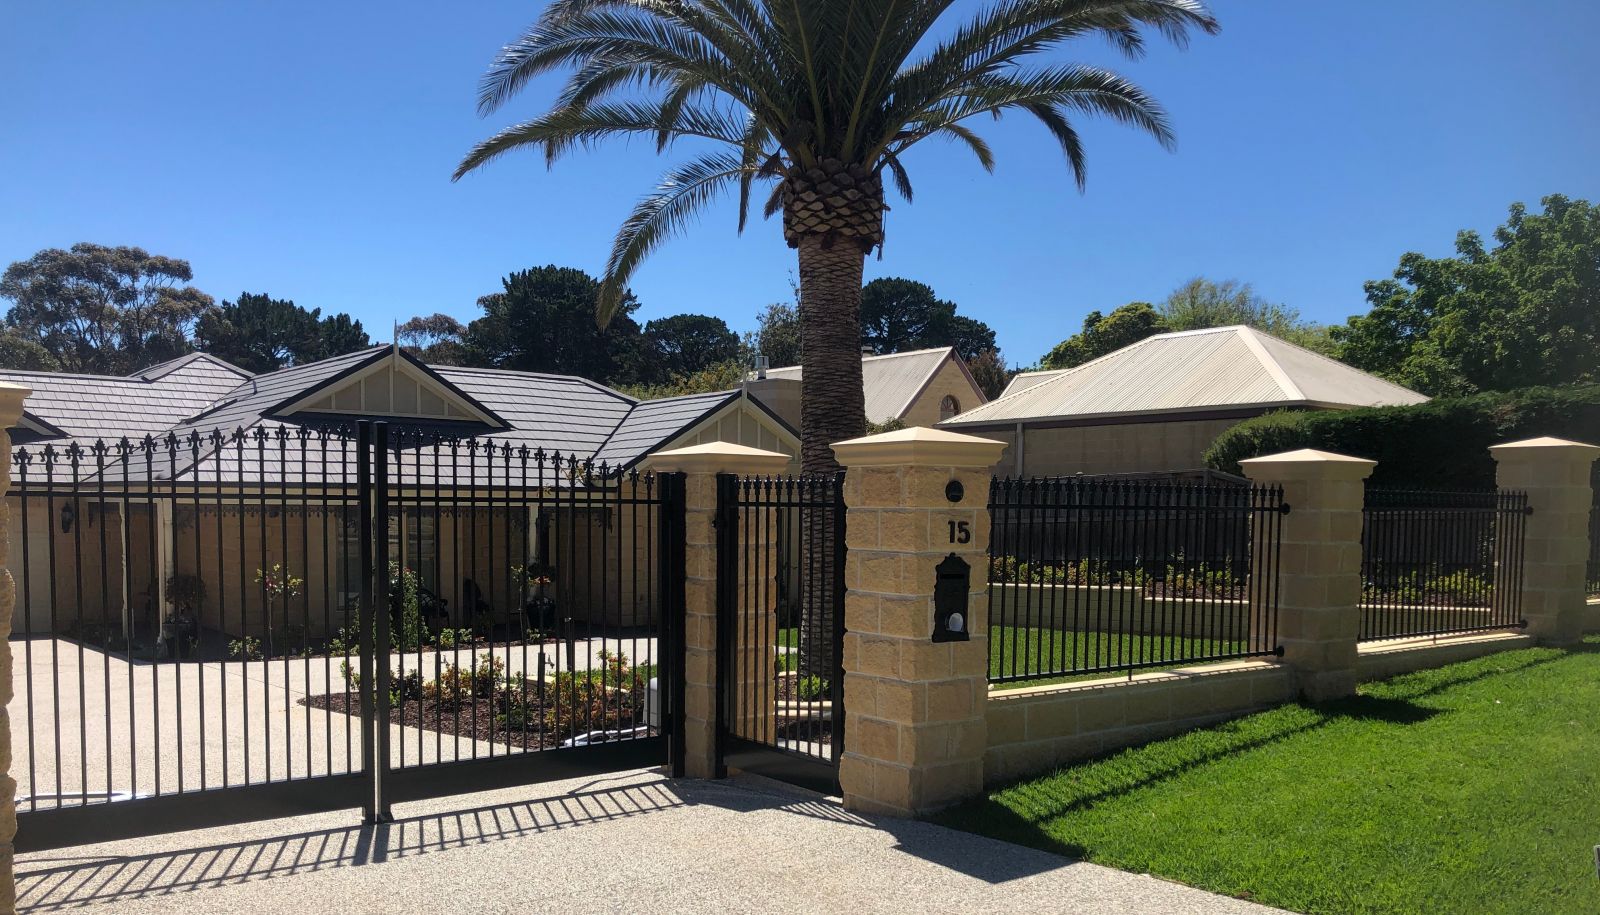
(336, 335)
(1525, 312)
(259, 333)
(990, 372)
(256, 332)
(1102, 334)
(682, 345)
(436, 339)
(543, 321)
(21, 354)
(1201, 303)
(103, 310)
(823, 100)
(898, 315)
(777, 335)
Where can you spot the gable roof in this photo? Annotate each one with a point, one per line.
(132, 406)
(1191, 371)
(201, 395)
(892, 383)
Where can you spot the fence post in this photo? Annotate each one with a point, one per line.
(915, 733)
(1555, 474)
(700, 465)
(11, 398)
(1319, 569)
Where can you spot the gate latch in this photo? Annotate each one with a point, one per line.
(952, 585)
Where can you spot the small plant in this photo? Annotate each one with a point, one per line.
(245, 649)
(812, 688)
(186, 594)
(454, 638)
(278, 583)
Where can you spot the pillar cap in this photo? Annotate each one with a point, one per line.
(11, 398)
(919, 446)
(1544, 447)
(1308, 462)
(717, 457)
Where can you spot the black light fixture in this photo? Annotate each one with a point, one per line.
(69, 514)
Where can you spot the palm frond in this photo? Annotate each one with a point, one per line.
(558, 131)
(682, 193)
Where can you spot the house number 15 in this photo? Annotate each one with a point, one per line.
(960, 532)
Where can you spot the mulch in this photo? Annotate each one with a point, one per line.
(475, 719)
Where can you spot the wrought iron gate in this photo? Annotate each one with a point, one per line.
(780, 626)
(233, 626)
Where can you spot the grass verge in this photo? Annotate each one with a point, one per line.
(1470, 788)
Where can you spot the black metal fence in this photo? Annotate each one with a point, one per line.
(1103, 575)
(781, 548)
(1436, 562)
(314, 617)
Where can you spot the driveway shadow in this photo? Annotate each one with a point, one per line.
(56, 883)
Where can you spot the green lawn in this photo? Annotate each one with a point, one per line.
(1471, 788)
(1019, 649)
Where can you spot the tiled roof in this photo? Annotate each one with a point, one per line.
(1191, 371)
(199, 395)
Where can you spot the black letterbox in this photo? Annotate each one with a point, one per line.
(950, 590)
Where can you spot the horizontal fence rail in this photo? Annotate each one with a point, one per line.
(1435, 562)
(1090, 576)
(294, 607)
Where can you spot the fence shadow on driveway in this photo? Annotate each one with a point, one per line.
(55, 883)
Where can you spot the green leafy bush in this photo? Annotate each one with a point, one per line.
(245, 649)
(813, 688)
(1440, 444)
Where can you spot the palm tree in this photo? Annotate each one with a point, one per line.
(819, 99)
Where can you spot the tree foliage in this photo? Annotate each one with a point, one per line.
(1102, 334)
(1526, 311)
(777, 335)
(898, 315)
(259, 333)
(20, 353)
(679, 346)
(1199, 303)
(990, 372)
(543, 321)
(437, 339)
(1441, 443)
(103, 310)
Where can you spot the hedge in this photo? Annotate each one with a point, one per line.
(1440, 444)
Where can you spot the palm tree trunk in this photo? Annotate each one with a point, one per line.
(832, 409)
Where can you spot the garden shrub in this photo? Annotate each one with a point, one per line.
(1440, 444)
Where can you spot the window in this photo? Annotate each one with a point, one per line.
(949, 407)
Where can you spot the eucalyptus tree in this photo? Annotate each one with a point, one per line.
(815, 103)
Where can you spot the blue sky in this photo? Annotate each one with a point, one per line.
(304, 150)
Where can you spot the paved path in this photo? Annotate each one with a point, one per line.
(115, 727)
(632, 842)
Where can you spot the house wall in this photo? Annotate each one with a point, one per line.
(93, 574)
(1112, 448)
(950, 380)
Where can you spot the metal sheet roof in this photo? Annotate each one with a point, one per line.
(1187, 372)
(892, 382)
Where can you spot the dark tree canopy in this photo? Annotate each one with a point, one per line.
(990, 372)
(681, 345)
(1102, 334)
(898, 315)
(103, 310)
(436, 339)
(22, 354)
(1525, 312)
(259, 333)
(543, 321)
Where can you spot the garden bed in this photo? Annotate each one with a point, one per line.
(484, 719)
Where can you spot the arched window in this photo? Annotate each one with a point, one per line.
(949, 407)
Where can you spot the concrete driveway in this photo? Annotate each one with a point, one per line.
(631, 842)
(87, 722)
